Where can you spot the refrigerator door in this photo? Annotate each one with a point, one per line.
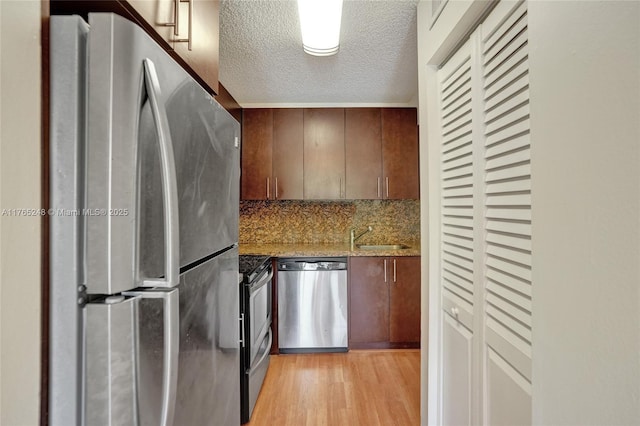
(132, 359)
(68, 38)
(208, 386)
(205, 143)
(140, 102)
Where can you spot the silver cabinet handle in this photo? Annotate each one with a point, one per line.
(171, 325)
(276, 188)
(387, 185)
(268, 185)
(169, 185)
(378, 188)
(394, 271)
(189, 38)
(176, 19)
(385, 270)
(242, 329)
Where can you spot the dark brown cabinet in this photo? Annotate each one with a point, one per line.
(195, 36)
(384, 302)
(324, 153)
(381, 148)
(330, 154)
(287, 154)
(272, 154)
(363, 151)
(257, 148)
(404, 304)
(400, 157)
(198, 39)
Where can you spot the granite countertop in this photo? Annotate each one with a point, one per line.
(324, 250)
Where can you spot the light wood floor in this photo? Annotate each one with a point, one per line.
(376, 387)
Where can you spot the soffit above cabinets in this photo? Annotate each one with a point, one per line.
(262, 63)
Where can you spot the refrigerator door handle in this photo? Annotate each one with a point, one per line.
(169, 182)
(171, 323)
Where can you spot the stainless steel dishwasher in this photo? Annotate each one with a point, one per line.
(312, 305)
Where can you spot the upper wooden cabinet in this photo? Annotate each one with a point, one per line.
(198, 22)
(198, 39)
(287, 154)
(400, 159)
(363, 150)
(330, 154)
(381, 148)
(324, 153)
(191, 28)
(272, 154)
(257, 148)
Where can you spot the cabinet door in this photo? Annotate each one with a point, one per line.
(363, 148)
(404, 305)
(257, 142)
(323, 153)
(400, 153)
(160, 14)
(203, 33)
(368, 300)
(288, 137)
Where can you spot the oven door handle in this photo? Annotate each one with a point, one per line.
(264, 355)
(261, 282)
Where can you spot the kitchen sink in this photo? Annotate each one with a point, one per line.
(382, 246)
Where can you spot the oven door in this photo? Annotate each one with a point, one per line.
(259, 312)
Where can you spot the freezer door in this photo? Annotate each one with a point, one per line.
(208, 387)
(132, 359)
(140, 103)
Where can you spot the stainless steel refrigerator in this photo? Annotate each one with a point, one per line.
(144, 186)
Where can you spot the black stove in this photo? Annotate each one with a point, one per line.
(257, 336)
(252, 265)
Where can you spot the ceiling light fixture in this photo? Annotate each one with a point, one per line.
(320, 24)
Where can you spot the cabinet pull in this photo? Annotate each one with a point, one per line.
(276, 187)
(378, 187)
(176, 19)
(394, 271)
(385, 269)
(387, 185)
(340, 187)
(189, 38)
(268, 188)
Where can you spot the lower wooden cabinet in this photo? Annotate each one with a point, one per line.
(384, 302)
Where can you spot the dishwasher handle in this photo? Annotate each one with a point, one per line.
(319, 264)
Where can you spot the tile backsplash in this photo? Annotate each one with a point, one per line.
(313, 222)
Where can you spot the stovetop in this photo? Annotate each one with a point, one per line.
(252, 265)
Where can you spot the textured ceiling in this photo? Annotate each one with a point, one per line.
(262, 62)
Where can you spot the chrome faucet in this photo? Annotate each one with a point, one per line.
(353, 237)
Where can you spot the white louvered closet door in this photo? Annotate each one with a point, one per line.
(507, 211)
(457, 236)
(485, 235)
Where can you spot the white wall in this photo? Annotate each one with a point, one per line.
(585, 102)
(585, 131)
(19, 188)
